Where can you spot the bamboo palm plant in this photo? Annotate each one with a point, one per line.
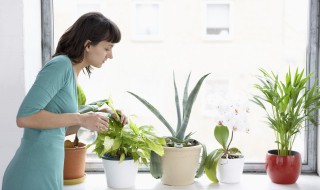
(178, 137)
(289, 104)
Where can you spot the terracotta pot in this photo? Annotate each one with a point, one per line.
(283, 169)
(179, 165)
(74, 162)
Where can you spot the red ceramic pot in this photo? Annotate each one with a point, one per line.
(283, 169)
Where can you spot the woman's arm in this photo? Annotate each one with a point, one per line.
(48, 120)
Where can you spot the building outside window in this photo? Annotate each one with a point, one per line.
(268, 34)
(218, 20)
(146, 21)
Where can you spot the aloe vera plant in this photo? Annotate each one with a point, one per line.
(178, 137)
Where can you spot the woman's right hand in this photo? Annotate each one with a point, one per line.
(95, 121)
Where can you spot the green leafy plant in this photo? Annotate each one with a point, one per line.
(123, 141)
(84, 108)
(288, 104)
(178, 137)
(221, 134)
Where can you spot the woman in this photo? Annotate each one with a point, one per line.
(49, 110)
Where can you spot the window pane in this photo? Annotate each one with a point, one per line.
(269, 33)
(146, 19)
(218, 19)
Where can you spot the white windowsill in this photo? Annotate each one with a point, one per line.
(248, 181)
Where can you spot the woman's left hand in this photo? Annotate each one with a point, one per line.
(123, 116)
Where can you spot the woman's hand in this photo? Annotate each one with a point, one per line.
(123, 116)
(95, 121)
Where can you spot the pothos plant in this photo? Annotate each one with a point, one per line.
(126, 141)
(178, 138)
(231, 116)
(84, 108)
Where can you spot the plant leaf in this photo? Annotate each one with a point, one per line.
(202, 162)
(177, 104)
(211, 164)
(155, 112)
(221, 133)
(81, 96)
(192, 97)
(155, 165)
(185, 95)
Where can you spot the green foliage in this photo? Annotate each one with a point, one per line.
(178, 137)
(122, 141)
(221, 134)
(81, 96)
(288, 104)
(182, 120)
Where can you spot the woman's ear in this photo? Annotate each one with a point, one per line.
(87, 44)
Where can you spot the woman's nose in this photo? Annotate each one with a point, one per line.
(109, 55)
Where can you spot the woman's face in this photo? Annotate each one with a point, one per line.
(96, 55)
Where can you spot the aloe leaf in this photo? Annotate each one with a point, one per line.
(99, 102)
(177, 104)
(155, 165)
(189, 104)
(87, 108)
(202, 162)
(185, 95)
(155, 112)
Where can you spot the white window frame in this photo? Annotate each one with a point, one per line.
(208, 37)
(155, 37)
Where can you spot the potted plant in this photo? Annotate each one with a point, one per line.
(123, 148)
(75, 151)
(289, 104)
(226, 164)
(179, 164)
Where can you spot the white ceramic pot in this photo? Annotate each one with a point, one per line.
(230, 170)
(120, 175)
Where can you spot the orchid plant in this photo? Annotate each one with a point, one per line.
(230, 117)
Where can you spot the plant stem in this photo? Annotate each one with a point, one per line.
(76, 140)
(230, 140)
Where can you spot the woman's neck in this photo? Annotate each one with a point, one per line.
(78, 67)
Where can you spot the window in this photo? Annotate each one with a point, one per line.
(146, 21)
(274, 38)
(218, 20)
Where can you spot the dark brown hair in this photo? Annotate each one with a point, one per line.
(91, 26)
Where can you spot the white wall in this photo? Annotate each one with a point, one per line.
(20, 59)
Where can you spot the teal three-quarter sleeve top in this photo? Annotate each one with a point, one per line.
(38, 162)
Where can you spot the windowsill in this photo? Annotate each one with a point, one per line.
(248, 181)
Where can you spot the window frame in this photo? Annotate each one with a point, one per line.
(312, 66)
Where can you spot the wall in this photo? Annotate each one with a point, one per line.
(20, 60)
